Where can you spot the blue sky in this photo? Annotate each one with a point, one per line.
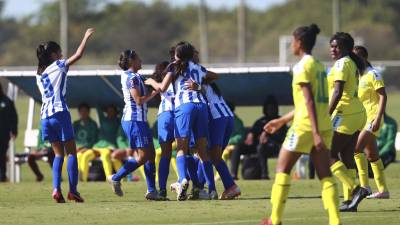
(20, 8)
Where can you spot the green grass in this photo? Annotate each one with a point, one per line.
(30, 203)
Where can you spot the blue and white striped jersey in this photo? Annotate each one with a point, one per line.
(133, 111)
(167, 100)
(216, 104)
(195, 72)
(52, 85)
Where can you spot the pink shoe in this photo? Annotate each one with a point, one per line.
(231, 193)
(268, 222)
(75, 197)
(379, 195)
(57, 196)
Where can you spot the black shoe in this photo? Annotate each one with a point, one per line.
(345, 207)
(359, 193)
(194, 194)
(162, 193)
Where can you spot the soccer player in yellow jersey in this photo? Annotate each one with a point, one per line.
(311, 130)
(372, 94)
(348, 116)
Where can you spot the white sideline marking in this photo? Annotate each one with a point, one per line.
(288, 219)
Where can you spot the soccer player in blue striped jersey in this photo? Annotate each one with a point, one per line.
(134, 124)
(55, 118)
(220, 130)
(191, 113)
(165, 128)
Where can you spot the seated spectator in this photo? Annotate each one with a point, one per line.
(86, 133)
(259, 142)
(43, 149)
(109, 126)
(386, 140)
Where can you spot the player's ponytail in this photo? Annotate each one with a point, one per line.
(346, 44)
(307, 35)
(43, 54)
(185, 52)
(125, 59)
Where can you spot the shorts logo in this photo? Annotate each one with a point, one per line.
(291, 141)
(337, 120)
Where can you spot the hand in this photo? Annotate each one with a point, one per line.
(264, 138)
(89, 32)
(375, 125)
(249, 139)
(273, 126)
(319, 143)
(191, 85)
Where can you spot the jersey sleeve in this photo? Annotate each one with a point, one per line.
(133, 82)
(341, 70)
(377, 80)
(62, 64)
(301, 73)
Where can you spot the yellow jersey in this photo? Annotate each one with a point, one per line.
(309, 70)
(369, 83)
(345, 70)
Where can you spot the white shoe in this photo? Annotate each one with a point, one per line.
(181, 190)
(174, 186)
(214, 195)
(379, 195)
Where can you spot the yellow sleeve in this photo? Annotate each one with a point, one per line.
(377, 80)
(341, 70)
(302, 74)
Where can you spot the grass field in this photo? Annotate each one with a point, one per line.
(30, 203)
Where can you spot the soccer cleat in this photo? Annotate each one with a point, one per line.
(231, 193)
(359, 193)
(213, 195)
(379, 195)
(163, 194)
(75, 197)
(181, 190)
(369, 190)
(116, 186)
(57, 196)
(268, 222)
(194, 194)
(345, 207)
(203, 195)
(154, 196)
(174, 186)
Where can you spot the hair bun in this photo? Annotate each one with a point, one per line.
(314, 28)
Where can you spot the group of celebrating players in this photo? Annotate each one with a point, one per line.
(336, 118)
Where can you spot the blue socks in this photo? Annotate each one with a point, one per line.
(150, 172)
(163, 172)
(182, 167)
(209, 174)
(226, 177)
(129, 167)
(200, 174)
(72, 168)
(192, 170)
(57, 168)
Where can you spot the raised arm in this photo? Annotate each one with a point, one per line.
(336, 96)
(163, 86)
(79, 52)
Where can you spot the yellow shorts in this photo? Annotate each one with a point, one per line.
(368, 127)
(349, 124)
(302, 141)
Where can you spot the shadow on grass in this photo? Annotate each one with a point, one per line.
(266, 198)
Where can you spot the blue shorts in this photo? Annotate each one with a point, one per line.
(138, 133)
(165, 126)
(57, 127)
(191, 118)
(220, 131)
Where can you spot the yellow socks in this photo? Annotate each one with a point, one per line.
(330, 199)
(379, 176)
(87, 156)
(279, 194)
(362, 166)
(117, 164)
(105, 157)
(340, 171)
